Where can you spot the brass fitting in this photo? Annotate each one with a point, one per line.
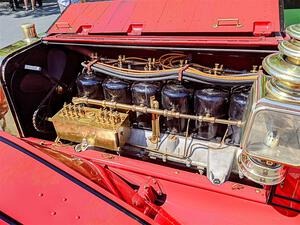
(155, 121)
(154, 110)
(29, 32)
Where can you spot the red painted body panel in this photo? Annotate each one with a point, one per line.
(32, 193)
(190, 198)
(290, 188)
(169, 16)
(201, 23)
(189, 16)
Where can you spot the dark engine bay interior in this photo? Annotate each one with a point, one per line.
(43, 81)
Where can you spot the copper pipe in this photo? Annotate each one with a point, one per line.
(161, 112)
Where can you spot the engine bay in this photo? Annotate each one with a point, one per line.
(179, 108)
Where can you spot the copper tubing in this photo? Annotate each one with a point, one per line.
(247, 76)
(161, 112)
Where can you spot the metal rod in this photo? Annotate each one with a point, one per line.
(161, 112)
(155, 121)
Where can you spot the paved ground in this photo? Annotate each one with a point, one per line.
(10, 22)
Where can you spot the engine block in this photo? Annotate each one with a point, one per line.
(167, 109)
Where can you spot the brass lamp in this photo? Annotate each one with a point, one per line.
(271, 132)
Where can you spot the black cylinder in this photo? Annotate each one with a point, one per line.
(116, 90)
(141, 94)
(142, 91)
(238, 102)
(90, 86)
(210, 102)
(177, 98)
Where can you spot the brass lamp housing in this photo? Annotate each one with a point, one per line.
(271, 129)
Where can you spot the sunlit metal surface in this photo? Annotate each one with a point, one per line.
(91, 127)
(271, 129)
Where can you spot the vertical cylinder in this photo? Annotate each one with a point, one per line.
(116, 90)
(211, 102)
(176, 97)
(89, 86)
(29, 32)
(141, 95)
(237, 106)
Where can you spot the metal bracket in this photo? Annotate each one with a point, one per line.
(228, 22)
(262, 28)
(135, 29)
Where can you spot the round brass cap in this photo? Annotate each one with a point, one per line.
(283, 93)
(27, 25)
(294, 31)
(29, 32)
(281, 69)
(290, 48)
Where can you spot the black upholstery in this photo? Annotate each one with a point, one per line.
(32, 87)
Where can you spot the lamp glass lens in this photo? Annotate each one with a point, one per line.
(275, 136)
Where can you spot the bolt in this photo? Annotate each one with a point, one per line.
(65, 199)
(201, 171)
(216, 181)
(41, 194)
(254, 69)
(53, 213)
(77, 217)
(282, 184)
(265, 172)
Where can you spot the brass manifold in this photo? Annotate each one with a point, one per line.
(160, 112)
(89, 126)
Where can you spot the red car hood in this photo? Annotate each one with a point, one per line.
(169, 23)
